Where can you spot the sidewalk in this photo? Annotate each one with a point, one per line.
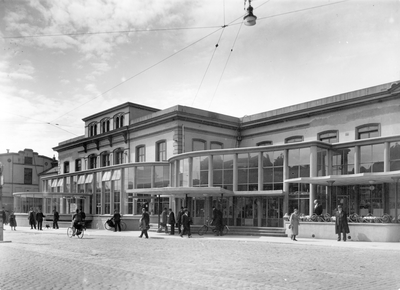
(7, 236)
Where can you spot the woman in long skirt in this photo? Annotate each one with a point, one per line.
(294, 224)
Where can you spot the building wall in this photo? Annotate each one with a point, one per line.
(14, 166)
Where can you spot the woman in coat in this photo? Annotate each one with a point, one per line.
(294, 224)
(12, 221)
(341, 223)
(32, 218)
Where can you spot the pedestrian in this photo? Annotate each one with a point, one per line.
(32, 218)
(179, 221)
(294, 224)
(341, 224)
(12, 221)
(39, 219)
(144, 223)
(4, 216)
(164, 220)
(56, 218)
(317, 207)
(217, 221)
(186, 221)
(117, 220)
(171, 221)
(83, 215)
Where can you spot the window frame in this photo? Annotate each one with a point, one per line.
(264, 143)
(288, 140)
(199, 140)
(161, 152)
(377, 129)
(140, 157)
(336, 132)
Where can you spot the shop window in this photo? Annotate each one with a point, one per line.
(28, 175)
(368, 131)
(247, 171)
(141, 153)
(371, 158)
(394, 157)
(343, 161)
(198, 145)
(294, 139)
(200, 171)
(223, 171)
(66, 167)
(78, 165)
(328, 136)
(161, 151)
(273, 170)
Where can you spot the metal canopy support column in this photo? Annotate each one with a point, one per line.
(396, 179)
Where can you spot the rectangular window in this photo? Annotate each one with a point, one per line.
(200, 171)
(143, 177)
(66, 167)
(248, 171)
(198, 145)
(105, 159)
(141, 154)
(216, 145)
(369, 131)
(273, 170)
(92, 162)
(98, 193)
(107, 197)
(130, 203)
(28, 175)
(328, 137)
(223, 171)
(28, 160)
(371, 158)
(343, 161)
(161, 151)
(78, 165)
(394, 157)
(117, 195)
(118, 157)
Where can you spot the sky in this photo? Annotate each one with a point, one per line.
(64, 60)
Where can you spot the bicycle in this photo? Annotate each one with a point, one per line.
(204, 229)
(110, 225)
(79, 232)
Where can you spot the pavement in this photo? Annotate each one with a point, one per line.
(48, 259)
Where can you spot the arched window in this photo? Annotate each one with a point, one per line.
(118, 156)
(92, 161)
(118, 120)
(92, 129)
(105, 125)
(198, 145)
(294, 139)
(329, 136)
(105, 158)
(141, 153)
(264, 143)
(161, 151)
(368, 131)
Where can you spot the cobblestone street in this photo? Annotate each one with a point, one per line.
(108, 260)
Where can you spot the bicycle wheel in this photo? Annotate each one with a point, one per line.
(203, 230)
(81, 233)
(123, 226)
(107, 226)
(225, 230)
(70, 232)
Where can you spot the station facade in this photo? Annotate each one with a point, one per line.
(343, 149)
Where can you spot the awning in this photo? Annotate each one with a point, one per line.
(51, 194)
(106, 176)
(183, 191)
(350, 179)
(89, 178)
(81, 179)
(116, 174)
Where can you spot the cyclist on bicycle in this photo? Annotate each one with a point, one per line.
(76, 219)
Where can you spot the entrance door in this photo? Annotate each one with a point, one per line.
(272, 210)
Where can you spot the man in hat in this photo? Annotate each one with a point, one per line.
(341, 227)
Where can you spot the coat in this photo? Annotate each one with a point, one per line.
(164, 217)
(40, 216)
(171, 218)
(318, 209)
(32, 217)
(295, 223)
(12, 220)
(341, 224)
(144, 221)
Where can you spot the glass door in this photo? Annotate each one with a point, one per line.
(272, 211)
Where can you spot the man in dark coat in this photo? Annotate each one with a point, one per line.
(32, 218)
(341, 223)
(144, 223)
(39, 219)
(56, 218)
(171, 221)
(179, 220)
(186, 221)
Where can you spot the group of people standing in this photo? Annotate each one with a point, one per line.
(341, 223)
(11, 219)
(36, 219)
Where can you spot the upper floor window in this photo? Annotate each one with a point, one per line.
(27, 175)
(264, 143)
(28, 160)
(92, 129)
(66, 167)
(118, 121)
(368, 131)
(118, 156)
(105, 159)
(198, 145)
(141, 153)
(78, 164)
(328, 137)
(92, 161)
(105, 125)
(294, 139)
(216, 145)
(161, 154)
